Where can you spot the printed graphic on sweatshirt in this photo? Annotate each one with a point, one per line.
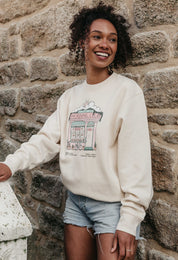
(82, 127)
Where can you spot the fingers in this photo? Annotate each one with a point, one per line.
(5, 172)
(125, 244)
(114, 244)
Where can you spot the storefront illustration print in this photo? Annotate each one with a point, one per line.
(82, 127)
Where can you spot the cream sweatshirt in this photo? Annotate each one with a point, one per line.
(101, 134)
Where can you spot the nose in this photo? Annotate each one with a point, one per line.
(103, 43)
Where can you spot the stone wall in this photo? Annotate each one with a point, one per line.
(35, 69)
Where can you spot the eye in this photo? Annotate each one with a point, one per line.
(96, 37)
(113, 40)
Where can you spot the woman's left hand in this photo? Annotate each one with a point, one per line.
(126, 245)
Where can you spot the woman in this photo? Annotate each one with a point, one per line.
(100, 128)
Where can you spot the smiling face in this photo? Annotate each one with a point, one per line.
(100, 45)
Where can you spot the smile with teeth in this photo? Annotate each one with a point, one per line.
(102, 54)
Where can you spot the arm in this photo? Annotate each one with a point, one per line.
(40, 148)
(134, 169)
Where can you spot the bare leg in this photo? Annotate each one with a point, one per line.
(104, 245)
(80, 243)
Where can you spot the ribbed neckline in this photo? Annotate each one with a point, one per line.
(101, 84)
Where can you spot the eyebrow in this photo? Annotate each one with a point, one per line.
(101, 32)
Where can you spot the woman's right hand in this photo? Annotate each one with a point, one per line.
(5, 172)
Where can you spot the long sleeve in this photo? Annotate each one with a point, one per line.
(134, 164)
(40, 148)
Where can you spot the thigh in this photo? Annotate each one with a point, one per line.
(104, 245)
(79, 243)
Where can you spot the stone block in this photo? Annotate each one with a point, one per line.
(170, 136)
(48, 30)
(119, 6)
(51, 222)
(19, 182)
(41, 99)
(8, 46)
(13, 29)
(14, 249)
(70, 67)
(40, 248)
(163, 119)
(51, 250)
(52, 165)
(16, 8)
(43, 69)
(41, 118)
(13, 73)
(141, 250)
(9, 101)
(163, 161)
(4, 45)
(155, 12)
(6, 147)
(164, 221)
(21, 130)
(160, 88)
(47, 188)
(13, 49)
(175, 45)
(150, 47)
(157, 255)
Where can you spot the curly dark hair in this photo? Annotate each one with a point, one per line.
(81, 25)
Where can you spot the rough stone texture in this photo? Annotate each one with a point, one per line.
(13, 29)
(50, 222)
(135, 77)
(8, 46)
(6, 147)
(48, 30)
(157, 255)
(13, 248)
(9, 101)
(13, 222)
(38, 33)
(4, 47)
(141, 250)
(70, 67)
(155, 12)
(21, 130)
(41, 118)
(13, 73)
(175, 45)
(47, 188)
(163, 119)
(19, 182)
(13, 49)
(164, 220)
(50, 249)
(163, 161)
(160, 88)
(15, 8)
(120, 6)
(41, 99)
(150, 47)
(171, 136)
(52, 165)
(43, 69)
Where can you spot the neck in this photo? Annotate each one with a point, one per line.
(96, 75)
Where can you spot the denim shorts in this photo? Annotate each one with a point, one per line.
(101, 216)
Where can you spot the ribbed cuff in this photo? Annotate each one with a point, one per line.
(11, 165)
(128, 223)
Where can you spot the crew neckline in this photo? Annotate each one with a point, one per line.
(100, 84)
